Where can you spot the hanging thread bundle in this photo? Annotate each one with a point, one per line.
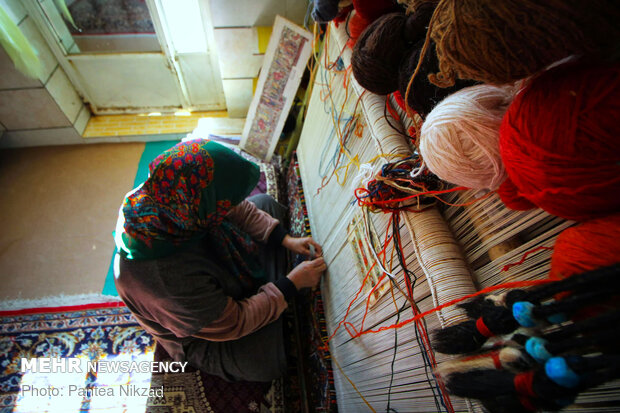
(559, 143)
(459, 140)
(523, 308)
(565, 348)
(500, 41)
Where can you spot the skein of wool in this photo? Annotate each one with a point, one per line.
(459, 140)
(523, 308)
(589, 245)
(324, 11)
(559, 143)
(500, 41)
(366, 12)
(381, 48)
(423, 95)
(576, 374)
(509, 358)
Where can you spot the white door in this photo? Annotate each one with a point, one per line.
(132, 56)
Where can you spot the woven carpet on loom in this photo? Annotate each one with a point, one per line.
(319, 378)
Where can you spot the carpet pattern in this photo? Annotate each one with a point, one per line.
(195, 391)
(88, 335)
(318, 372)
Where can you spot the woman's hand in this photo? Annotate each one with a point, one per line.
(302, 246)
(308, 273)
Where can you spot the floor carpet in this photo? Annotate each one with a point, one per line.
(86, 334)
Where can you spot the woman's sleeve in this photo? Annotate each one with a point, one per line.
(243, 317)
(257, 223)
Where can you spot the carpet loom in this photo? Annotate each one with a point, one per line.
(452, 250)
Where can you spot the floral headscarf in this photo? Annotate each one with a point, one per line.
(190, 189)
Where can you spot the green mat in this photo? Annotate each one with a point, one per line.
(151, 151)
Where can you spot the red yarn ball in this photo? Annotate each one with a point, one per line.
(370, 10)
(357, 24)
(366, 12)
(590, 245)
(560, 143)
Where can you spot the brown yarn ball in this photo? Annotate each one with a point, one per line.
(500, 41)
(424, 95)
(384, 44)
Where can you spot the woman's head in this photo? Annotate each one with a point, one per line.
(191, 186)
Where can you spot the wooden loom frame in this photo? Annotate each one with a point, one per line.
(489, 236)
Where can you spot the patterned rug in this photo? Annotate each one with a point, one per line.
(108, 336)
(195, 391)
(85, 334)
(318, 373)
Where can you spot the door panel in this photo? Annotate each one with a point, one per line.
(203, 83)
(129, 82)
(135, 55)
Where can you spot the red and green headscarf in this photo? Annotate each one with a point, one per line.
(190, 189)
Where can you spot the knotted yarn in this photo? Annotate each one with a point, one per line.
(560, 143)
(500, 41)
(590, 245)
(459, 140)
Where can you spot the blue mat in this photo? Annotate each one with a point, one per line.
(151, 151)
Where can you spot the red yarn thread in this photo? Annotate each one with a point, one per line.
(483, 329)
(559, 143)
(585, 247)
(527, 403)
(524, 384)
(524, 257)
(496, 361)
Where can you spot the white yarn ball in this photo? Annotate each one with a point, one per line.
(459, 140)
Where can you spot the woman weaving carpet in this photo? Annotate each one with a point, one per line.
(203, 269)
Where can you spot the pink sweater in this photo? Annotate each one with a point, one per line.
(243, 317)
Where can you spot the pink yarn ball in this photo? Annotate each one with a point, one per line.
(459, 140)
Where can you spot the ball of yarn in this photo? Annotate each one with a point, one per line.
(590, 245)
(499, 41)
(378, 52)
(366, 12)
(423, 95)
(382, 46)
(370, 10)
(459, 140)
(324, 11)
(560, 143)
(355, 27)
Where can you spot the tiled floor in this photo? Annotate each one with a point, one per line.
(59, 207)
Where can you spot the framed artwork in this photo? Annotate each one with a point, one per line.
(288, 51)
